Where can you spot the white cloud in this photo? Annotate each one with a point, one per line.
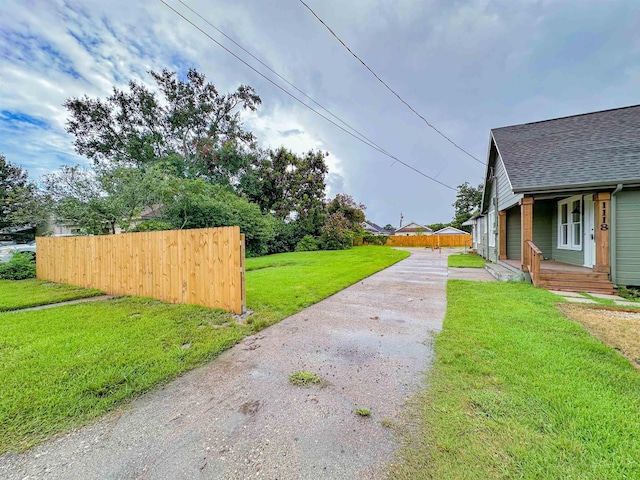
(467, 65)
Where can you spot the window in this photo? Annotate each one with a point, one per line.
(570, 223)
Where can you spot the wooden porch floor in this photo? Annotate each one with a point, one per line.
(552, 265)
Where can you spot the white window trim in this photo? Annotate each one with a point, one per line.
(571, 240)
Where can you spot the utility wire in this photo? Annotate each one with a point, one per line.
(278, 75)
(387, 86)
(370, 144)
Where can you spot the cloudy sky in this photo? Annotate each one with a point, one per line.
(466, 66)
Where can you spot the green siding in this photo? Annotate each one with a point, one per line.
(573, 257)
(543, 225)
(514, 244)
(627, 254)
(506, 197)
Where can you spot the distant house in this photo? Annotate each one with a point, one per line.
(413, 229)
(561, 200)
(21, 234)
(375, 229)
(476, 223)
(450, 231)
(68, 229)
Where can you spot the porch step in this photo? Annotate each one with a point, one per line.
(576, 282)
(503, 273)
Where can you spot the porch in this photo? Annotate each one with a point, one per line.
(552, 244)
(554, 275)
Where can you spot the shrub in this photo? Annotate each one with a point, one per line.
(371, 239)
(20, 267)
(287, 235)
(336, 233)
(307, 244)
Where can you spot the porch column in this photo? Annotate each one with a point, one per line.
(602, 202)
(526, 230)
(502, 234)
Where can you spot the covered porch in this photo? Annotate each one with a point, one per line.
(582, 264)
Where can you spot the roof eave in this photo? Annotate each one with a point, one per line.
(573, 187)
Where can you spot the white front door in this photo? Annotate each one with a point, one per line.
(589, 233)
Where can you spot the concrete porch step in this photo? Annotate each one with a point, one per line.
(503, 274)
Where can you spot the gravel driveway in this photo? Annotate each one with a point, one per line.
(238, 417)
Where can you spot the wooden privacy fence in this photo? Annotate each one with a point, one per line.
(432, 241)
(201, 266)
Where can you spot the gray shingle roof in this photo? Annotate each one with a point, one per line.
(592, 149)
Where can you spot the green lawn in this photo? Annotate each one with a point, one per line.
(280, 285)
(62, 367)
(519, 391)
(31, 293)
(466, 260)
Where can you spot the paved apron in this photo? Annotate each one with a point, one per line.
(238, 417)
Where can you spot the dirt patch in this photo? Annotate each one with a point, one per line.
(620, 329)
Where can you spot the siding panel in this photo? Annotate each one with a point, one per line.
(514, 234)
(627, 237)
(506, 197)
(543, 226)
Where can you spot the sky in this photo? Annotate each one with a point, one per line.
(465, 65)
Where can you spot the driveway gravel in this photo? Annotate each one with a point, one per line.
(239, 417)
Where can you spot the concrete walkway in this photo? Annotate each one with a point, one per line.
(98, 298)
(239, 417)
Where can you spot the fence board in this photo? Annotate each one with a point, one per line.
(202, 266)
(432, 241)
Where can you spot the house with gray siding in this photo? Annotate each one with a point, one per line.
(561, 200)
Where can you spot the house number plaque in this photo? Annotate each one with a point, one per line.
(604, 225)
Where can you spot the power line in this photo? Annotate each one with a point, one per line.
(276, 73)
(369, 143)
(388, 87)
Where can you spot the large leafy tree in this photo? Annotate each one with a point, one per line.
(99, 200)
(20, 201)
(287, 184)
(183, 123)
(468, 200)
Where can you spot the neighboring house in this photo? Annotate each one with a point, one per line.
(413, 229)
(476, 223)
(450, 231)
(21, 234)
(374, 229)
(565, 191)
(67, 229)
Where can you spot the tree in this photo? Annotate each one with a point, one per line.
(389, 227)
(289, 185)
(438, 226)
(468, 200)
(20, 201)
(352, 211)
(99, 200)
(188, 125)
(337, 233)
(198, 204)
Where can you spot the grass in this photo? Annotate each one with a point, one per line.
(62, 367)
(363, 412)
(466, 260)
(31, 293)
(303, 378)
(281, 285)
(519, 391)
